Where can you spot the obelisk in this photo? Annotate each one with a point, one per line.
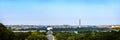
(79, 23)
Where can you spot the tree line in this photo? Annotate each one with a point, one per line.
(6, 34)
(88, 36)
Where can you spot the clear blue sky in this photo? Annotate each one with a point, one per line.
(58, 12)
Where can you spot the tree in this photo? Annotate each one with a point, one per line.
(22, 35)
(71, 38)
(36, 36)
(60, 36)
(6, 34)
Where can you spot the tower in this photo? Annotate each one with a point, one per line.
(79, 23)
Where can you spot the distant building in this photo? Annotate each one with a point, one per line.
(64, 26)
(49, 28)
(116, 26)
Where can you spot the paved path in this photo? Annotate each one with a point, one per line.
(49, 35)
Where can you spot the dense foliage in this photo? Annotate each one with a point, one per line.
(36, 36)
(6, 34)
(88, 36)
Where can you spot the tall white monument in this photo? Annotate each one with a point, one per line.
(79, 23)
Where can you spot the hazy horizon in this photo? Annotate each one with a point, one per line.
(60, 12)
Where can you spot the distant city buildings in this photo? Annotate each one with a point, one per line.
(21, 26)
(43, 28)
(59, 26)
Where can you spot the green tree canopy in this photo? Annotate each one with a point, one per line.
(36, 36)
(6, 34)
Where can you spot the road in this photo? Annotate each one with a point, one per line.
(49, 35)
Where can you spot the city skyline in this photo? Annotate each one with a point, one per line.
(59, 12)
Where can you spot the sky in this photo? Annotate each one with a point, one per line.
(60, 12)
